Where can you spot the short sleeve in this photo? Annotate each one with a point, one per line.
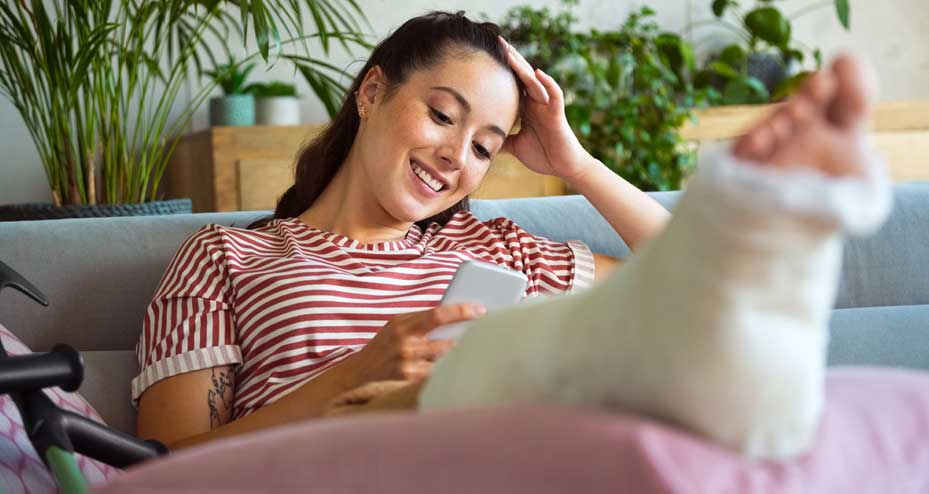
(552, 267)
(189, 324)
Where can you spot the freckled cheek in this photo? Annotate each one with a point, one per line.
(412, 133)
(472, 177)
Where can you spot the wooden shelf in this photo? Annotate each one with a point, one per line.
(899, 130)
(248, 168)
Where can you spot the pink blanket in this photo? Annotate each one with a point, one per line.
(874, 438)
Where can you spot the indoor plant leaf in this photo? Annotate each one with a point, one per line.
(745, 90)
(843, 11)
(719, 6)
(768, 24)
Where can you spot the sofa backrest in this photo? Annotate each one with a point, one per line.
(100, 274)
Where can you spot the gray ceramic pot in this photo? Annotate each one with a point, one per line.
(232, 110)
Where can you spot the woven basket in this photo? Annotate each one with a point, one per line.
(46, 211)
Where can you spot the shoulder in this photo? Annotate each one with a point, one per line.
(213, 238)
(464, 225)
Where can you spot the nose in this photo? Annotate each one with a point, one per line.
(454, 152)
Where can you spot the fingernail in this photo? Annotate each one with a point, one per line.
(478, 310)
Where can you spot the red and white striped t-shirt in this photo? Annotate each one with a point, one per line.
(286, 301)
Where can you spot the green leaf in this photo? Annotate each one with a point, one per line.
(719, 6)
(734, 55)
(678, 52)
(723, 69)
(789, 85)
(768, 24)
(843, 10)
(745, 90)
(791, 54)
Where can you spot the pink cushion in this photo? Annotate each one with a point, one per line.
(21, 470)
(874, 438)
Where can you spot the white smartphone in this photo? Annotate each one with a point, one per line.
(490, 285)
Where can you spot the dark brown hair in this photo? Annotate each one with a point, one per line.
(419, 43)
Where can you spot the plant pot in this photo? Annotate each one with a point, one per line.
(277, 110)
(768, 68)
(48, 211)
(232, 110)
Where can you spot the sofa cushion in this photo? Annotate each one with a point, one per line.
(889, 267)
(106, 386)
(21, 469)
(885, 336)
(874, 438)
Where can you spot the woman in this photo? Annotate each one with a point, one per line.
(255, 328)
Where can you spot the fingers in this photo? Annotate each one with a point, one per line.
(524, 70)
(425, 350)
(552, 88)
(426, 321)
(415, 370)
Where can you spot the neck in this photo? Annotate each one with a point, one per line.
(349, 207)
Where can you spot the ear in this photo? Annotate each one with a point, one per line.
(372, 86)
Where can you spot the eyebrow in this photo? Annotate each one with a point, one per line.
(467, 106)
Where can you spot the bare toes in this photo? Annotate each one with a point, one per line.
(801, 112)
(781, 127)
(855, 88)
(819, 88)
(757, 145)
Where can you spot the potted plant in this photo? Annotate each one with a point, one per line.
(237, 105)
(95, 83)
(276, 103)
(766, 63)
(627, 91)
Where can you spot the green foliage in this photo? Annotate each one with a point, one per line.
(764, 31)
(95, 81)
(627, 92)
(272, 89)
(231, 76)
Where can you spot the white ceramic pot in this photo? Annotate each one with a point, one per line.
(277, 110)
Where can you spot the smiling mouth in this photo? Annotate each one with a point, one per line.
(425, 178)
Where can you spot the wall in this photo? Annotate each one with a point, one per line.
(891, 34)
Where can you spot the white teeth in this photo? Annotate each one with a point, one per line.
(430, 181)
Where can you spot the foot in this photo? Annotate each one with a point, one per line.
(821, 126)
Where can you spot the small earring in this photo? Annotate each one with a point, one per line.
(362, 111)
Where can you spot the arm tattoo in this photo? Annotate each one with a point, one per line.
(220, 394)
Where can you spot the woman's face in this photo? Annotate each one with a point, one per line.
(444, 124)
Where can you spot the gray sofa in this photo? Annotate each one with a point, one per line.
(99, 275)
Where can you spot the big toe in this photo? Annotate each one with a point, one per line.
(854, 92)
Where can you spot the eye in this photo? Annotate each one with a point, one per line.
(482, 151)
(440, 116)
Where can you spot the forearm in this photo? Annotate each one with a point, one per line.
(307, 402)
(632, 213)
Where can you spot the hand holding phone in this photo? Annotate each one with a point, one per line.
(490, 285)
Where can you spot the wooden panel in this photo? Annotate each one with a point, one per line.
(262, 182)
(190, 171)
(260, 142)
(907, 154)
(731, 121)
(233, 168)
(899, 129)
(508, 178)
